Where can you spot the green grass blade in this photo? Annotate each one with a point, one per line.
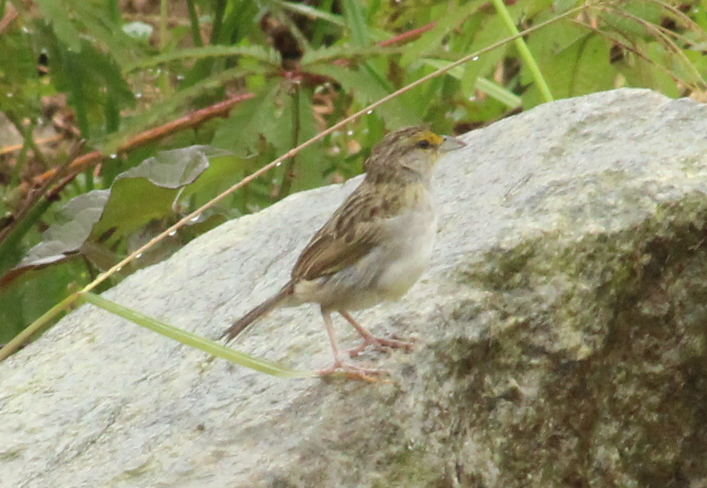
(193, 340)
(498, 92)
(524, 51)
(49, 315)
(356, 22)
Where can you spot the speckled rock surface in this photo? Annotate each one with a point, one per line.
(562, 334)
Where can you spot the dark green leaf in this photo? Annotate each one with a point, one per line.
(171, 169)
(68, 235)
(138, 196)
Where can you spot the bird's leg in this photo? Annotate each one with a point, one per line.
(369, 339)
(339, 363)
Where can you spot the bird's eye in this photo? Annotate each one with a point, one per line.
(424, 144)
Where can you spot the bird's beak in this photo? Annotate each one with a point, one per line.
(451, 143)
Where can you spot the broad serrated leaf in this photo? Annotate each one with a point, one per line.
(138, 196)
(594, 71)
(249, 120)
(658, 76)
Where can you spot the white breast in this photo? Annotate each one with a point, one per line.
(408, 252)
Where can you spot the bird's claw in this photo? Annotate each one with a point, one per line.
(380, 344)
(353, 372)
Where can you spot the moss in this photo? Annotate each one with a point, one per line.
(616, 325)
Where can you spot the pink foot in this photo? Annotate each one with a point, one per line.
(352, 371)
(380, 344)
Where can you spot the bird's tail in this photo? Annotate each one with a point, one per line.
(263, 309)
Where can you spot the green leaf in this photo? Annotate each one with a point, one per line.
(249, 120)
(148, 192)
(223, 172)
(356, 21)
(24, 301)
(457, 72)
(171, 169)
(593, 71)
(138, 196)
(20, 87)
(493, 31)
(562, 6)
(92, 79)
(68, 234)
(266, 125)
(529, 61)
(510, 99)
(432, 40)
(333, 53)
(578, 60)
(651, 72)
(57, 13)
(311, 12)
(76, 21)
(265, 55)
(631, 28)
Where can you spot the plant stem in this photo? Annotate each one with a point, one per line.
(524, 51)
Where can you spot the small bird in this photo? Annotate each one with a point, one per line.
(373, 248)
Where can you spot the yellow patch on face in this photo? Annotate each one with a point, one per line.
(429, 136)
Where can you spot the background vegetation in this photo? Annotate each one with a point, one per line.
(177, 101)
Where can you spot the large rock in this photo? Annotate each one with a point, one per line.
(561, 334)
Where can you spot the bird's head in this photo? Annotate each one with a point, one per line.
(408, 154)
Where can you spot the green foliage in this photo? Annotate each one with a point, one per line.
(102, 219)
(118, 82)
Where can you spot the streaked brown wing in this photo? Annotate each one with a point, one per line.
(348, 236)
